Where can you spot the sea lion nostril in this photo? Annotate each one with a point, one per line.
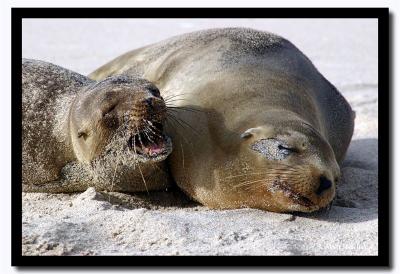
(324, 184)
(149, 102)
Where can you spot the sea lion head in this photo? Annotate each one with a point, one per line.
(119, 120)
(293, 166)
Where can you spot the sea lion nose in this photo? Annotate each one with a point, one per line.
(155, 105)
(324, 184)
(149, 101)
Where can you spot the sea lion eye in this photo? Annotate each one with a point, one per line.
(273, 149)
(155, 92)
(285, 149)
(109, 109)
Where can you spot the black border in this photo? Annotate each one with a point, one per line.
(382, 14)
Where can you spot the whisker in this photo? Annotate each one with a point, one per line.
(156, 167)
(145, 133)
(169, 122)
(144, 181)
(176, 109)
(167, 101)
(246, 183)
(274, 170)
(247, 174)
(134, 149)
(187, 124)
(183, 157)
(112, 181)
(153, 132)
(151, 127)
(173, 96)
(140, 139)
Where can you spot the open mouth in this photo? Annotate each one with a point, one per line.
(150, 143)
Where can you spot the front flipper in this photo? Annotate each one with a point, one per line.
(74, 178)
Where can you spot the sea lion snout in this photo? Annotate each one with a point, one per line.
(147, 110)
(156, 107)
(298, 166)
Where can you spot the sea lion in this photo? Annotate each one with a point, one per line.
(260, 126)
(78, 133)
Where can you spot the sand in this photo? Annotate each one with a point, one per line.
(167, 223)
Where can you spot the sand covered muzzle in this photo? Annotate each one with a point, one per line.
(148, 144)
(130, 153)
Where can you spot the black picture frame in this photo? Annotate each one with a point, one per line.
(383, 258)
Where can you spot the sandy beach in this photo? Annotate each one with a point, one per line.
(168, 223)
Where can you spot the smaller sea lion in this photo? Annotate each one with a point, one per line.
(77, 132)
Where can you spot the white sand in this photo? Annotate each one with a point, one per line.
(345, 51)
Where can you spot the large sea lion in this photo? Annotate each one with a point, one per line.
(260, 126)
(77, 132)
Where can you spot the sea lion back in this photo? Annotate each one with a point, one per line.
(46, 89)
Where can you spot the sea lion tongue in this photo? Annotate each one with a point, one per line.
(153, 149)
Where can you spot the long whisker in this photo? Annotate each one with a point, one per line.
(151, 127)
(156, 167)
(271, 172)
(179, 120)
(168, 101)
(173, 96)
(152, 132)
(176, 109)
(145, 131)
(169, 122)
(134, 149)
(246, 183)
(112, 181)
(140, 139)
(176, 121)
(173, 119)
(144, 181)
(183, 157)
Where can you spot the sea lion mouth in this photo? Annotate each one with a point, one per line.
(295, 196)
(151, 144)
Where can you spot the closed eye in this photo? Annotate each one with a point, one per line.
(82, 134)
(273, 149)
(109, 109)
(290, 149)
(155, 92)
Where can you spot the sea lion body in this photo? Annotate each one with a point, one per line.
(259, 126)
(71, 126)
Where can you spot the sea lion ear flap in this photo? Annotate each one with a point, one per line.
(82, 133)
(250, 132)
